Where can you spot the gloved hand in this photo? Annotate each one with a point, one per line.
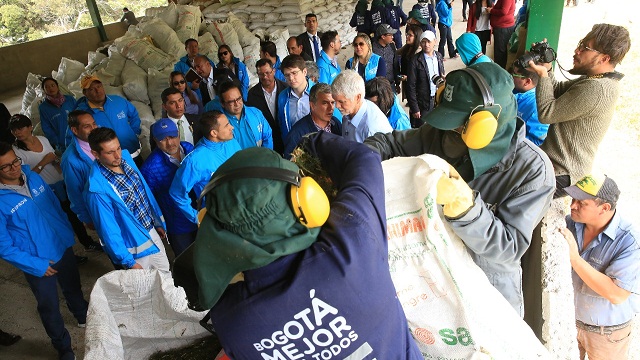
(454, 194)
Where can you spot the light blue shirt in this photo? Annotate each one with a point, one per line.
(616, 253)
(298, 106)
(367, 121)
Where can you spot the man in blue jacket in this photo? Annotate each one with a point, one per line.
(524, 90)
(124, 211)
(250, 128)
(76, 162)
(293, 102)
(187, 62)
(215, 147)
(445, 20)
(36, 237)
(320, 119)
(159, 170)
(328, 61)
(112, 111)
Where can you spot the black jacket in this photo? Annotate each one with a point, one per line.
(419, 82)
(256, 99)
(307, 48)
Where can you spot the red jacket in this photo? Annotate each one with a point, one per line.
(502, 14)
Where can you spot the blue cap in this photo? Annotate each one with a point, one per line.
(163, 128)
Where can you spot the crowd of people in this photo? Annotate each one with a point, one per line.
(514, 139)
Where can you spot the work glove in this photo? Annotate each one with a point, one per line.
(454, 194)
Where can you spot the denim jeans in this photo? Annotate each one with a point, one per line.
(46, 292)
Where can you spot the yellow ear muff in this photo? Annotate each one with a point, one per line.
(309, 202)
(480, 129)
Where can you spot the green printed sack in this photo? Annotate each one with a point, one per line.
(452, 309)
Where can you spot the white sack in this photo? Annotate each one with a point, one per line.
(115, 64)
(164, 36)
(452, 309)
(224, 33)
(32, 89)
(134, 82)
(188, 22)
(170, 15)
(157, 81)
(208, 46)
(146, 119)
(144, 53)
(133, 314)
(69, 70)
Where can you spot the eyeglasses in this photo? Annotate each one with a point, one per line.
(181, 82)
(292, 74)
(224, 53)
(582, 47)
(9, 167)
(234, 101)
(359, 44)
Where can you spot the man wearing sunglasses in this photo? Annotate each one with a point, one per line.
(37, 238)
(580, 110)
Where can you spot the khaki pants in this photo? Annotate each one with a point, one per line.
(608, 345)
(158, 260)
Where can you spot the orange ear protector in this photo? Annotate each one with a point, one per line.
(482, 125)
(307, 199)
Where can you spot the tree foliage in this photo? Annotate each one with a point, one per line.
(24, 20)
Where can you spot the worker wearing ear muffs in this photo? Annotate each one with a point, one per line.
(308, 287)
(500, 184)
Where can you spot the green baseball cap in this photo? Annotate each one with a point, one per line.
(462, 95)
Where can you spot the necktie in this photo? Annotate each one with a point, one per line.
(180, 129)
(315, 47)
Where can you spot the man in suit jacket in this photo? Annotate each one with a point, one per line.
(310, 39)
(264, 96)
(421, 90)
(295, 48)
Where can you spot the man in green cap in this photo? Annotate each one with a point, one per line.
(307, 291)
(499, 191)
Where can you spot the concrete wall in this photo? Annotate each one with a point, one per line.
(42, 56)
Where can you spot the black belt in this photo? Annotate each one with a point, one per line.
(603, 330)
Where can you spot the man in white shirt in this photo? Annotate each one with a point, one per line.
(264, 96)
(360, 117)
(173, 104)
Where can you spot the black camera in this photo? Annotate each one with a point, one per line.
(437, 80)
(540, 52)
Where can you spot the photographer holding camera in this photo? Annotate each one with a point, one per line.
(425, 67)
(580, 110)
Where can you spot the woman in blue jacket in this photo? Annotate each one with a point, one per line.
(364, 61)
(237, 67)
(53, 113)
(379, 92)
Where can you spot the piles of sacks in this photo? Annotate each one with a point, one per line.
(269, 16)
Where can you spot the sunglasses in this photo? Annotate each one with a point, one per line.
(358, 44)
(181, 82)
(224, 53)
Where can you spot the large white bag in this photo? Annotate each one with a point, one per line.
(164, 36)
(452, 309)
(133, 314)
(134, 82)
(189, 19)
